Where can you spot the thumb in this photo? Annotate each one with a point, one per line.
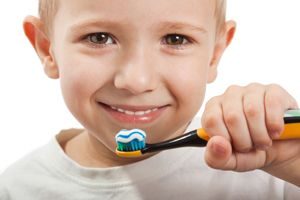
(218, 153)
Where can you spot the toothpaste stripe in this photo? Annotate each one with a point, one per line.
(127, 140)
(127, 136)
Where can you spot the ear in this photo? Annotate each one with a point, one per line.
(222, 42)
(34, 30)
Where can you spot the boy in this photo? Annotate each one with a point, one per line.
(145, 64)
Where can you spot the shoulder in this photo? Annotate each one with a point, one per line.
(43, 169)
(24, 168)
(41, 160)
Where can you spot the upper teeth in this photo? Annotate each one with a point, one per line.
(128, 112)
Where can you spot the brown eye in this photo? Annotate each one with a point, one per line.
(100, 38)
(175, 39)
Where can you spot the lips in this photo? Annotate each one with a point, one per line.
(133, 114)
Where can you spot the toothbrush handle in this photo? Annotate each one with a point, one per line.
(191, 139)
(291, 131)
(199, 137)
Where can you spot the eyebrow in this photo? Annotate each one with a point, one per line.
(181, 26)
(96, 23)
(163, 26)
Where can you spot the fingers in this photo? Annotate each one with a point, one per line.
(235, 119)
(277, 101)
(243, 121)
(250, 117)
(254, 109)
(238, 115)
(212, 119)
(219, 155)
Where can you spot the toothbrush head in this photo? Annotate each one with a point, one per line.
(130, 142)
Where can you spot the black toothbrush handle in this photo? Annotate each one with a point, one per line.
(191, 139)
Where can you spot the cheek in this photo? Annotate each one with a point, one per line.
(76, 90)
(188, 85)
(82, 74)
(190, 89)
(80, 82)
(188, 81)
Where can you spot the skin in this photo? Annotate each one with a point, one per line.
(140, 68)
(245, 121)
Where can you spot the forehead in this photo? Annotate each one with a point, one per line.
(137, 10)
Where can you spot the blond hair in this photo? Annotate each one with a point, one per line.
(48, 9)
(220, 15)
(47, 12)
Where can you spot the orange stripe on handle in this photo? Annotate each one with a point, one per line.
(291, 131)
(202, 134)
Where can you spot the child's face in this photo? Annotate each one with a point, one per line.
(135, 64)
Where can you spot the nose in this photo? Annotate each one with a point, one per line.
(137, 72)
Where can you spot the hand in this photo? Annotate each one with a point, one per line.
(243, 123)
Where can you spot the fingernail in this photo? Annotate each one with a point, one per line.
(275, 135)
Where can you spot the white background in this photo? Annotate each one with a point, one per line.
(266, 49)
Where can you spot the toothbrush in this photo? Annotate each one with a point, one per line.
(131, 143)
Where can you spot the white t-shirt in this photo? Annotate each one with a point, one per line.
(49, 174)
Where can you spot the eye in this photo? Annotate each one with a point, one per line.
(100, 39)
(176, 40)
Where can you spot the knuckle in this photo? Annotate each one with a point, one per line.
(231, 118)
(275, 126)
(251, 110)
(209, 121)
(212, 102)
(233, 89)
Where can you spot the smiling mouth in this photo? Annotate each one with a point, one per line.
(133, 114)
